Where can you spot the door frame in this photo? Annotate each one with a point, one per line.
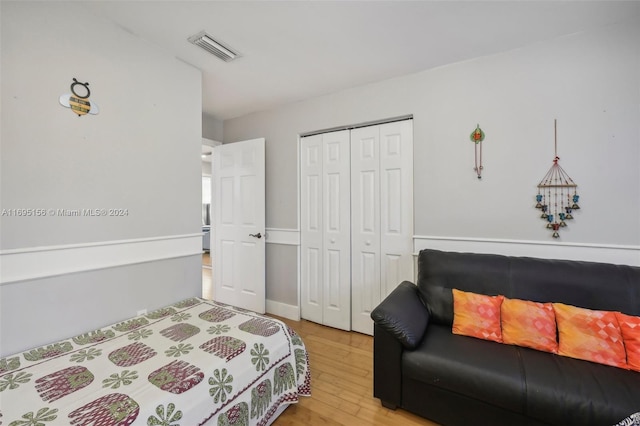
(212, 144)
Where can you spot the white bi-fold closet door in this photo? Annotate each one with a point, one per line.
(325, 223)
(356, 221)
(381, 216)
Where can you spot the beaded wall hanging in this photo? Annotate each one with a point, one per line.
(557, 194)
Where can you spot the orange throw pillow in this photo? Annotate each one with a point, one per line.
(477, 315)
(530, 324)
(590, 335)
(630, 327)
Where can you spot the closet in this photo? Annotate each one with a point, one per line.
(356, 221)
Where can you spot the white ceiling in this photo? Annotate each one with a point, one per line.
(294, 50)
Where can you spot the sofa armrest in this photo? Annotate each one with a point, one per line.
(402, 315)
(387, 368)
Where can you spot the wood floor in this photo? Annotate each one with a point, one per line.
(341, 382)
(341, 379)
(207, 283)
(207, 276)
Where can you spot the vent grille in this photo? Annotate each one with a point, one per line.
(214, 47)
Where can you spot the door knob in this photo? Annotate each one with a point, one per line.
(258, 235)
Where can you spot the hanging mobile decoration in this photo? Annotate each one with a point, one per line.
(477, 136)
(557, 194)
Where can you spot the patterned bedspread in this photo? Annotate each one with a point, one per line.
(632, 420)
(196, 362)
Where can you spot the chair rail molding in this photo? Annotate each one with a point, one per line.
(607, 253)
(283, 236)
(41, 262)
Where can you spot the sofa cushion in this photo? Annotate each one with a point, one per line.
(529, 324)
(568, 391)
(589, 284)
(475, 368)
(477, 315)
(630, 327)
(590, 335)
(439, 272)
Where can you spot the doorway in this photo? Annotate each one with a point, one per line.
(207, 264)
(207, 152)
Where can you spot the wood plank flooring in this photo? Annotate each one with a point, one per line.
(341, 382)
(341, 379)
(206, 258)
(207, 283)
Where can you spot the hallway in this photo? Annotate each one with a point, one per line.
(207, 279)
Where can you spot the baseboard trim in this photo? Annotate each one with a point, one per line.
(284, 310)
(41, 262)
(617, 254)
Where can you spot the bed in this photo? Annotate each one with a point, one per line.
(196, 362)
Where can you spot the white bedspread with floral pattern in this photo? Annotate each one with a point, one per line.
(196, 362)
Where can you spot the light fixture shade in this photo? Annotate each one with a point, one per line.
(214, 47)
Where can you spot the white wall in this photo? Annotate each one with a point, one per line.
(212, 127)
(140, 153)
(588, 81)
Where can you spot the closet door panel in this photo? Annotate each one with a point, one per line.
(365, 226)
(392, 267)
(367, 298)
(335, 304)
(336, 240)
(392, 193)
(311, 227)
(396, 193)
(313, 278)
(356, 222)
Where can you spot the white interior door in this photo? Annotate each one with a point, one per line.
(337, 230)
(356, 221)
(396, 212)
(381, 215)
(365, 224)
(325, 290)
(311, 216)
(238, 180)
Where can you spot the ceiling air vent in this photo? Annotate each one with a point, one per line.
(214, 47)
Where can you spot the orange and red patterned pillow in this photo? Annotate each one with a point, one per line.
(590, 335)
(529, 324)
(630, 327)
(477, 315)
(605, 337)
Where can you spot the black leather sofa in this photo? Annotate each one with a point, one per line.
(420, 366)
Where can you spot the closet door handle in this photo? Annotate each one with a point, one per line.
(258, 235)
